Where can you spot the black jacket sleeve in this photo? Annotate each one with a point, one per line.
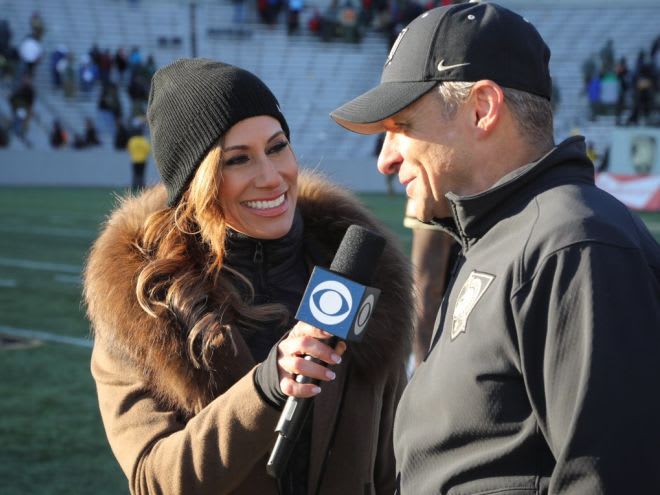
(588, 325)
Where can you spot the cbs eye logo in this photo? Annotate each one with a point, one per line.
(330, 302)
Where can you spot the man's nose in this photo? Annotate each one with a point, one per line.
(389, 159)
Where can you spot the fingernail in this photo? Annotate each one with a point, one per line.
(330, 374)
(316, 390)
(336, 358)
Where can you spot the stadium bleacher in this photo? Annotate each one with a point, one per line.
(309, 77)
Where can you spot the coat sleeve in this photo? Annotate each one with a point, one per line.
(385, 465)
(211, 453)
(588, 325)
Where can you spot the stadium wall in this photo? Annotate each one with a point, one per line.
(107, 168)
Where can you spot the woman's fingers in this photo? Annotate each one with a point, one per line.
(302, 328)
(292, 388)
(294, 359)
(298, 365)
(305, 340)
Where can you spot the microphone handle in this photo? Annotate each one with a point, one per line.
(290, 423)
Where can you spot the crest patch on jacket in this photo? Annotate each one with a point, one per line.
(472, 290)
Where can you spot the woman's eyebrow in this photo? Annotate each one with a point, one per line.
(245, 146)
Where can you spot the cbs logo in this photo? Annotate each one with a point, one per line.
(330, 302)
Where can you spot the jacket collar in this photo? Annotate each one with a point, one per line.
(278, 255)
(473, 216)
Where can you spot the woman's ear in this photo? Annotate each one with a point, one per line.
(488, 105)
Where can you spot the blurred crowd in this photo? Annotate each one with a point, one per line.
(117, 78)
(108, 75)
(345, 20)
(628, 91)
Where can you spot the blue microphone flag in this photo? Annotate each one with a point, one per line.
(337, 305)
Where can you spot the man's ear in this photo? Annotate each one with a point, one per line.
(488, 105)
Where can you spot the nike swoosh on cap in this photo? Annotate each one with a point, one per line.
(442, 67)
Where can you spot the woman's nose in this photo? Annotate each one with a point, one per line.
(268, 175)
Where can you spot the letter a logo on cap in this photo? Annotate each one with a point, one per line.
(395, 45)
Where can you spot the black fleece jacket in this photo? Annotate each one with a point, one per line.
(544, 370)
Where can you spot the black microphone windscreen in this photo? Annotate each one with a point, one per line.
(358, 254)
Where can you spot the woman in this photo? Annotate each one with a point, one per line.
(191, 290)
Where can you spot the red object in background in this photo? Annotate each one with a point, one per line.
(637, 192)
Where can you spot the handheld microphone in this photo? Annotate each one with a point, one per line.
(339, 301)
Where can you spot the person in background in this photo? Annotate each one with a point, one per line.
(433, 253)
(192, 289)
(109, 108)
(138, 148)
(122, 135)
(543, 369)
(4, 133)
(90, 135)
(21, 102)
(591, 152)
(121, 64)
(58, 136)
(623, 78)
(643, 90)
(37, 26)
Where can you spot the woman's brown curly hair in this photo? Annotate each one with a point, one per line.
(184, 279)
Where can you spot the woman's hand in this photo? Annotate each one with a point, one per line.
(304, 340)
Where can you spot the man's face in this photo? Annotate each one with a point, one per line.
(429, 153)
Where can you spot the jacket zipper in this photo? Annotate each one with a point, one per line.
(258, 260)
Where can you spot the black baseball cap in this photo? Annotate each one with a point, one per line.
(465, 42)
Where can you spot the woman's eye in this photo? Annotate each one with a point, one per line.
(277, 147)
(236, 160)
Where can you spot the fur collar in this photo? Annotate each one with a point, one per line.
(132, 335)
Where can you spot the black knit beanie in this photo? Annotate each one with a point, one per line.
(192, 103)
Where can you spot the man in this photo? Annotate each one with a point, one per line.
(544, 369)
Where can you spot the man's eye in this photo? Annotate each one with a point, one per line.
(277, 147)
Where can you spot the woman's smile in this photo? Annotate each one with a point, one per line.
(268, 208)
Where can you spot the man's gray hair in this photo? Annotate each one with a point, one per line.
(533, 114)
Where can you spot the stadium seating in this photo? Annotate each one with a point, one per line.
(309, 77)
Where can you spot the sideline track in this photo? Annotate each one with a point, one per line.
(45, 336)
(40, 265)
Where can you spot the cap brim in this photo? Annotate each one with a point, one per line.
(365, 113)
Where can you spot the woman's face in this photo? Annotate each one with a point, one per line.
(258, 187)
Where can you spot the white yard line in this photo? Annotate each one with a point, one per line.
(39, 265)
(52, 231)
(68, 279)
(45, 336)
(7, 282)
(653, 226)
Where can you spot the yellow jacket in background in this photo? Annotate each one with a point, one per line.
(138, 147)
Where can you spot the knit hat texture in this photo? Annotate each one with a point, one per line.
(192, 103)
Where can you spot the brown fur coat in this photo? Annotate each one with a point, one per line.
(159, 350)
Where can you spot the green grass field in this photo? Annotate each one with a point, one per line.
(51, 437)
